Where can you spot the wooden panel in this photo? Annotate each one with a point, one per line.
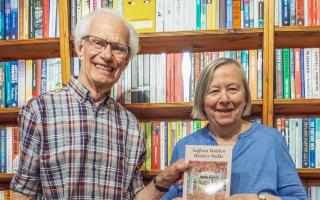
(29, 49)
(299, 36)
(297, 107)
(143, 111)
(174, 111)
(65, 51)
(199, 41)
(8, 116)
(268, 52)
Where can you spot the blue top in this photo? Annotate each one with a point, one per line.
(260, 163)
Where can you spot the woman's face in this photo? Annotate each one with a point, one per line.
(225, 100)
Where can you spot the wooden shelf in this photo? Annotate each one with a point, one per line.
(9, 116)
(174, 111)
(297, 107)
(29, 49)
(200, 41)
(143, 111)
(297, 37)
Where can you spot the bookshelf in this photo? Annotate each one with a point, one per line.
(268, 39)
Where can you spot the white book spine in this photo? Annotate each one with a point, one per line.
(152, 78)
(21, 83)
(162, 147)
(168, 15)
(256, 14)
(315, 70)
(9, 149)
(159, 15)
(307, 73)
(186, 73)
(306, 12)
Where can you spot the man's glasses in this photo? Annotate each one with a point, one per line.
(117, 50)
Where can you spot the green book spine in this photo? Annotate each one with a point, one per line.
(286, 73)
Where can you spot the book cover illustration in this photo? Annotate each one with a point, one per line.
(210, 173)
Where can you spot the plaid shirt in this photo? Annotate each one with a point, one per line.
(72, 149)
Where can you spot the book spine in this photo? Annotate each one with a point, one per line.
(279, 74)
(317, 129)
(292, 72)
(300, 12)
(7, 19)
(312, 143)
(297, 72)
(286, 73)
(14, 19)
(2, 20)
(155, 148)
(293, 12)
(2, 85)
(8, 84)
(305, 143)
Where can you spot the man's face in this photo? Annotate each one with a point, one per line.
(102, 68)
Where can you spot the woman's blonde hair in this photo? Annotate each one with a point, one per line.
(203, 84)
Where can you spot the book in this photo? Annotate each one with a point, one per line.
(210, 172)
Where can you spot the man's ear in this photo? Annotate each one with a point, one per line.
(79, 50)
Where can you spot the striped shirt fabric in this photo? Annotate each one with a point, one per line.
(72, 149)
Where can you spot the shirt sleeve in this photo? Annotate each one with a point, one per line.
(175, 190)
(136, 184)
(289, 183)
(26, 179)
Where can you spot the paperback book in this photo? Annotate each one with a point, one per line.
(210, 172)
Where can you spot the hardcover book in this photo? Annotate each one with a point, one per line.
(210, 172)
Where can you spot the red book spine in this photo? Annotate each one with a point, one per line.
(155, 146)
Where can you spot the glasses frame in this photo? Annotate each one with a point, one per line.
(106, 43)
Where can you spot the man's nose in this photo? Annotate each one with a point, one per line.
(107, 52)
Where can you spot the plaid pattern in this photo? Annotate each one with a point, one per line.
(71, 149)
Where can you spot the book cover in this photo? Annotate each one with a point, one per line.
(210, 172)
(141, 15)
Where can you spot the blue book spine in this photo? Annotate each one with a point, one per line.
(305, 143)
(2, 20)
(7, 20)
(7, 76)
(245, 62)
(246, 13)
(285, 12)
(312, 142)
(204, 15)
(229, 13)
(14, 84)
(43, 76)
(302, 72)
(14, 19)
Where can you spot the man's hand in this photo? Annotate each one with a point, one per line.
(172, 174)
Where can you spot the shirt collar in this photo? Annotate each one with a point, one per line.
(78, 90)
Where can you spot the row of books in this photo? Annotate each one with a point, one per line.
(180, 15)
(21, 80)
(297, 12)
(6, 195)
(303, 138)
(9, 149)
(160, 78)
(24, 19)
(297, 73)
(313, 192)
(161, 137)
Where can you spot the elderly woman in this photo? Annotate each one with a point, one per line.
(261, 165)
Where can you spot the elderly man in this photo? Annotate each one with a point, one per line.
(77, 142)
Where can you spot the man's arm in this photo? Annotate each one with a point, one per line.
(19, 196)
(171, 175)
